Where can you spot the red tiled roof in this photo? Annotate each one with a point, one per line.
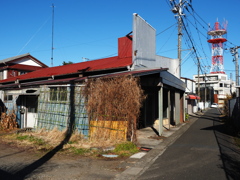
(101, 64)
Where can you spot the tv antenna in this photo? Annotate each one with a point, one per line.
(52, 34)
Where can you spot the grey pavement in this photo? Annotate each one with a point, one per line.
(199, 149)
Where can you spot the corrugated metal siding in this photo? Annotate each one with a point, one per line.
(144, 43)
(125, 47)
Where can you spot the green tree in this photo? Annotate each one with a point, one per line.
(66, 63)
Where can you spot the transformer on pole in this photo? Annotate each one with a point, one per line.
(217, 42)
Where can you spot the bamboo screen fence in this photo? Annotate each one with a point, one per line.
(61, 106)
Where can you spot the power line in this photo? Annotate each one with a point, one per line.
(166, 41)
(200, 40)
(166, 29)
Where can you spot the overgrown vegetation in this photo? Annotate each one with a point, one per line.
(30, 138)
(125, 149)
(80, 151)
(113, 106)
(225, 109)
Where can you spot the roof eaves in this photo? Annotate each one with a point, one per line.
(135, 73)
(14, 58)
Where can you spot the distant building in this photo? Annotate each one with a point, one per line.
(18, 65)
(191, 97)
(217, 86)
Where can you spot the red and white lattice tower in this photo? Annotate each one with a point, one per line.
(217, 42)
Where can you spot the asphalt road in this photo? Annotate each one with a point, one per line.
(204, 151)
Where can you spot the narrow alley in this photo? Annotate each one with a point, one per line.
(204, 151)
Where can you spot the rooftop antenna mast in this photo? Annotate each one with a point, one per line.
(52, 34)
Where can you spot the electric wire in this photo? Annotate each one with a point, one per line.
(191, 40)
(198, 16)
(166, 40)
(173, 4)
(192, 44)
(32, 37)
(166, 29)
(199, 38)
(208, 25)
(168, 3)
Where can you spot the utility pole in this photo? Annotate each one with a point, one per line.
(205, 86)
(198, 76)
(180, 14)
(234, 52)
(178, 10)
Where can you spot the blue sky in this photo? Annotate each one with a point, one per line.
(90, 29)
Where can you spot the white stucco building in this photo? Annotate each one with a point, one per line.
(217, 85)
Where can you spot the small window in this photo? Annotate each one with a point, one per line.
(58, 93)
(22, 72)
(8, 97)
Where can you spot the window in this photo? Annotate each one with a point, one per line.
(8, 97)
(58, 93)
(213, 78)
(22, 72)
(223, 78)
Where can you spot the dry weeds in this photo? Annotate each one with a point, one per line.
(47, 140)
(110, 100)
(8, 121)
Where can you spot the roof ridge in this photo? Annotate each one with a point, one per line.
(14, 57)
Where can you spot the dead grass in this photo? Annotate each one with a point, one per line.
(45, 141)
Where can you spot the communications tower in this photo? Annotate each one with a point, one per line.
(217, 40)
